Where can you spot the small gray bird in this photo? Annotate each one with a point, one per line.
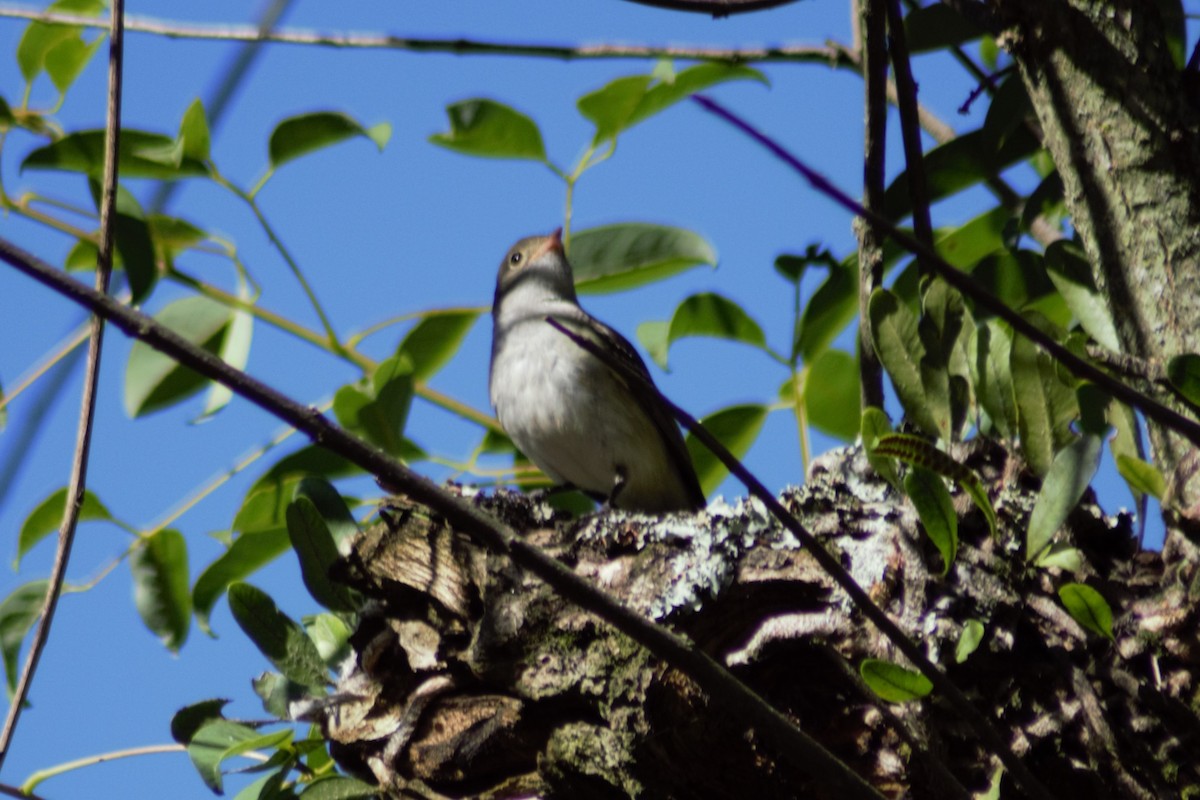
(580, 422)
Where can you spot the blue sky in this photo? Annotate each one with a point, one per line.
(415, 227)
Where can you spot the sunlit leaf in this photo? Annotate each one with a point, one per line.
(991, 347)
(221, 739)
(154, 380)
(832, 394)
(875, 424)
(67, 59)
(1141, 476)
(159, 566)
(893, 682)
(248, 553)
(486, 128)
(1072, 276)
(193, 132)
(1062, 556)
(281, 640)
(1087, 607)
(47, 518)
(378, 410)
(735, 427)
(968, 640)
(434, 340)
(83, 151)
(929, 496)
(234, 351)
(616, 257)
(704, 315)
(901, 351)
(830, 309)
(305, 133)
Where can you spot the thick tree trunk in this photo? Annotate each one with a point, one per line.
(470, 678)
(1120, 121)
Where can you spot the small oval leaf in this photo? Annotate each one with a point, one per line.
(159, 566)
(936, 509)
(893, 682)
(1141, 476)
(1067, 480)
(305, 133)
(481, 127)
(1087, 607)
(613, 258)
(968, 640)
(47, 517)
(434, 340)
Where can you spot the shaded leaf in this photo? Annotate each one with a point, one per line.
(893, 682)
(310, 459)
(434, 340)
(19, 611)
(991, 346)
(875, 424)
(338, 787)
(248, 553)
(832, 394)
(1184, 374)
(277, 693)
(302, 134)
(1087, 607)
(894, 330)
(48, 516)
(1072, 276)
(736, 427)
(1068, 478)
(616, 257)
(159, 566)
(317, 552)
(189, 719)
(83, 151)
(154, 380)
(220, 739)
(920, 453)
(281, 640)
(935, 508)
(830, 309)
(968, 640)
(937, 27)
(378, 411)
(486, 128)
(1045, 404)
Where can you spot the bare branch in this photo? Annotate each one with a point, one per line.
(873, 23)
(718, 8)
(87, 412)
(910, 132)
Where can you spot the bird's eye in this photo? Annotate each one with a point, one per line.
(514, 259)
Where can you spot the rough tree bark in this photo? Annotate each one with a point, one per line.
(1121, 123)
(473, 680)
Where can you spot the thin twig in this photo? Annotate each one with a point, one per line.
(77, 485)
(43, 775)
(910, 130)
(832, 567)
(873, 23)
(737, 699)
(828, 54)
(1151, 408)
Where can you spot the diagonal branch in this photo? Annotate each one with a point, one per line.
(87, 412)
(739, 701)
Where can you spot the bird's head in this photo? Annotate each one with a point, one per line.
(535, 267)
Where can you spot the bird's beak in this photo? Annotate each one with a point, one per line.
(553, 243)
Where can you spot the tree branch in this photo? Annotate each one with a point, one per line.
(873, 23)
(77, 485)
(910, 131)
(714, 679)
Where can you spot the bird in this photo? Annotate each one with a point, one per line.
(577, 419)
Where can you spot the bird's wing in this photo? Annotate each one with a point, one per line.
(590, 328)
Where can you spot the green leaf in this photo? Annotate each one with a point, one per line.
(19, 611)
(1184, 374)
(378, 411)
(65, 60)
(83, 151)
(488, 129)
(1141, 476)
(159, 566)
(172, 235)
(38, 40)
(154, 380)
(1061, 556)
(833, 305)
(267, 787)
(281, 640)
(189, 719)
(338, 787)
(920, 453)
(331, 635)
(47, 518)
(305, 133)
(193, 132)
(736, 427)
(901, 351)
(875, 424)
(248, 553)
(991, 346)
(893, 682)
(308, 460)
(1174, 23)
(220, 739)
(832, 394)
(945, 328)
(277, 693)
(1068, 478)
(314, 546)
(1046, 200)
(936, 510)
(1087, 607)
(625, 102)
(613, 258)
(705, 315)
(963, 247)
(136, 248)
(234, 351)
(937, 27)
(434, 340)
(959, 164)
(1045, 403)
(1072, 276)
(968, 640)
